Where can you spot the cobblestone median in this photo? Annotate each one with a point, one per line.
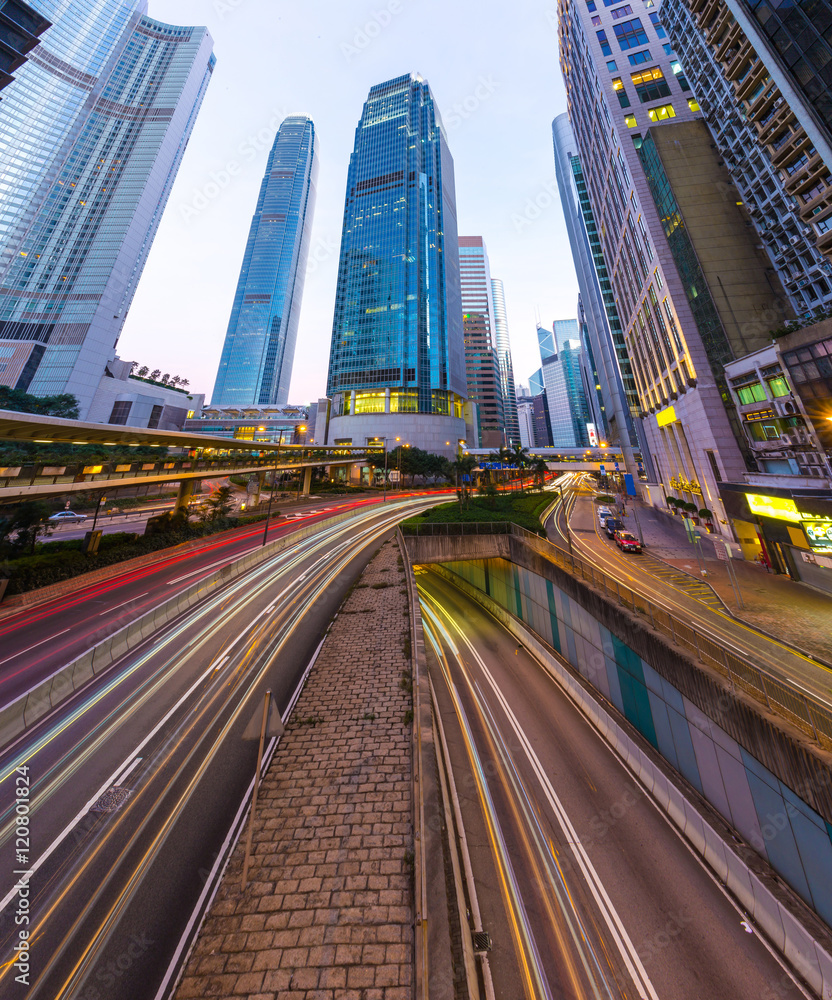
(328, 912)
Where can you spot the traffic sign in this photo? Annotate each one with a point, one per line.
(601, 468)
(616, 466)
(722, 549)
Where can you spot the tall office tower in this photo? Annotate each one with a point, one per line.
(525, 419)
(397, 360)
(692, 289)
(259, 350)
(760, 72)
(599, 428)
(20, 28)
(92, 133)
(481, 362)
(604, 332)
(512, 419)
(560, 354)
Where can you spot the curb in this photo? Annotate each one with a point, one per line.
(799, 936)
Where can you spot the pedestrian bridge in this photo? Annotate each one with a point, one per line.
(190, 457)
(561, 459)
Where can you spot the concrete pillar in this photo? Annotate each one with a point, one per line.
(387, 400)
(307, 481)
(186, 491)
(352, 403)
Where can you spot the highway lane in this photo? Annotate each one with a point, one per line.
(585, 888)
(136, 781)
(35, 642)
(776, 657)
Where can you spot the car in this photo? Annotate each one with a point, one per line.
(67, 517)
(613, 524)
(627, 541)
(603, 514)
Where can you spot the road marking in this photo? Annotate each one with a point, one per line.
(220, 562)
(218, 663)
(22, 651)
(124, 604)
(125, 774)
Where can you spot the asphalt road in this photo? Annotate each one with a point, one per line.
(137, 780)
(635, 571)
(37, 641)
(585, 889)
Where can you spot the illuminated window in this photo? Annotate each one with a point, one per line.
(778, 386)
(630, 121)
(754, 393)
(650, 84)
(660, 113)
(369, 402)
(620, 92)
(692, 104)
(621, 12)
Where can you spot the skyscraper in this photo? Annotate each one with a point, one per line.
(259, 349)
(92, 133)
(482, 367)
(397, 360)
(506, 365)
(691, 286)
(560, 354)
(20, 26)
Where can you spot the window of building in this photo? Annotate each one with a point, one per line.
(639, 58)
(591, 5)
(657, 25)
(668, 49)
(676, 66)
(795, 165)
(596, 20)
(121, 411)
(661, 112)
(630, 34)
(611, 66)
(754, 393)
(155, 417)
(778, 386)
(693, 104)
(650, 84)
(824, 225)
(620, 12)
(630, 121)
(605, 45)
(620, 92)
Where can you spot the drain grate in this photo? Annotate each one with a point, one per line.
(482, 941)
(111, 801)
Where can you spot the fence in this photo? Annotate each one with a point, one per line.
(811, 716)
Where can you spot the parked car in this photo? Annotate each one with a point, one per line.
(613, 524)
(67, 517)
(603, 514)
(627, 541)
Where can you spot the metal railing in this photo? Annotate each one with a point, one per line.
(812, 716)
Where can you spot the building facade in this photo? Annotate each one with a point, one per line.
(482, 366)
(259, 349)
(128, 400)
(560, 354)
(769, 129)
(271, 424)
(20, 28)
(397, 358)
(506, 366)
(692, 289)
(92, 134)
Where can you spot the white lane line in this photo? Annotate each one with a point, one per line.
(30, 648)
(123, 604)
(203, 569)
(215, 666)
(126, 774)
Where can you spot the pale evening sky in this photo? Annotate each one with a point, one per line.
(494, 73)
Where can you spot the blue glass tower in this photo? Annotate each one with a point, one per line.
(92, 133)
(397, 359)
(259, 349)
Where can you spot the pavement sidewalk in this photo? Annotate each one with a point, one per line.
(784, 608)
(328, 912)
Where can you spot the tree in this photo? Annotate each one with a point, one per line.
(165, 378)
(540, 468)
(461, 468)
(26, 523)
(175, 380)
(218, 506)
(142, 372)
(184, 383)
(155, 374)
(64, 405)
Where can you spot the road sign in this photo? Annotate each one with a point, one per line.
(629, 485)
(274, 724)
(616, 466)
(689, 528)
(722, 549)
(601, 468)
(466, 479)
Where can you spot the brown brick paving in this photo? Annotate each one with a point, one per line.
(328, 912)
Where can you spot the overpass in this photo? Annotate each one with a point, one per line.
(564, 459)
(190, 457)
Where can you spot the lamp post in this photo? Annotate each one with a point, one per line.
(269, 513)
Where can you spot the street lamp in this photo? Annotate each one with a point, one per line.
(566, 521)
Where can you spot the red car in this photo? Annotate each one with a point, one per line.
(627, 541)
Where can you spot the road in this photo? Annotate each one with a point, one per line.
(684, 597)
(584, 887)
(37, 641)
(138, 780)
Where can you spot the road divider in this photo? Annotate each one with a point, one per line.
(33, 705)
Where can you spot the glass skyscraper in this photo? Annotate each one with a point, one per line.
(560, 353)
(259, 349)
(397, 360)
(20, 26)
(92, 133)
(506, 367)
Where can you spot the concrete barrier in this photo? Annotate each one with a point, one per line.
(798, 934)
(28, 708)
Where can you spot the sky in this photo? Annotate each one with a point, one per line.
(493, 70)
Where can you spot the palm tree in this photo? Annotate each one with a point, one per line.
(540, 469)
(462, 467)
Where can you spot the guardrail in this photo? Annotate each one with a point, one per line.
(807, 713)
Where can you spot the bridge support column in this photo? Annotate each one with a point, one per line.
(307, 482)
(186, 491)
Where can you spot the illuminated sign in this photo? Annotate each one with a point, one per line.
(593, 435)
(777, 507)
(665, 417)
(819, 534)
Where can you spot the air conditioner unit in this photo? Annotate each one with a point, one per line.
(786, 439)
(807, 230)
(785, 407)
(803, 283)
(794, 240)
